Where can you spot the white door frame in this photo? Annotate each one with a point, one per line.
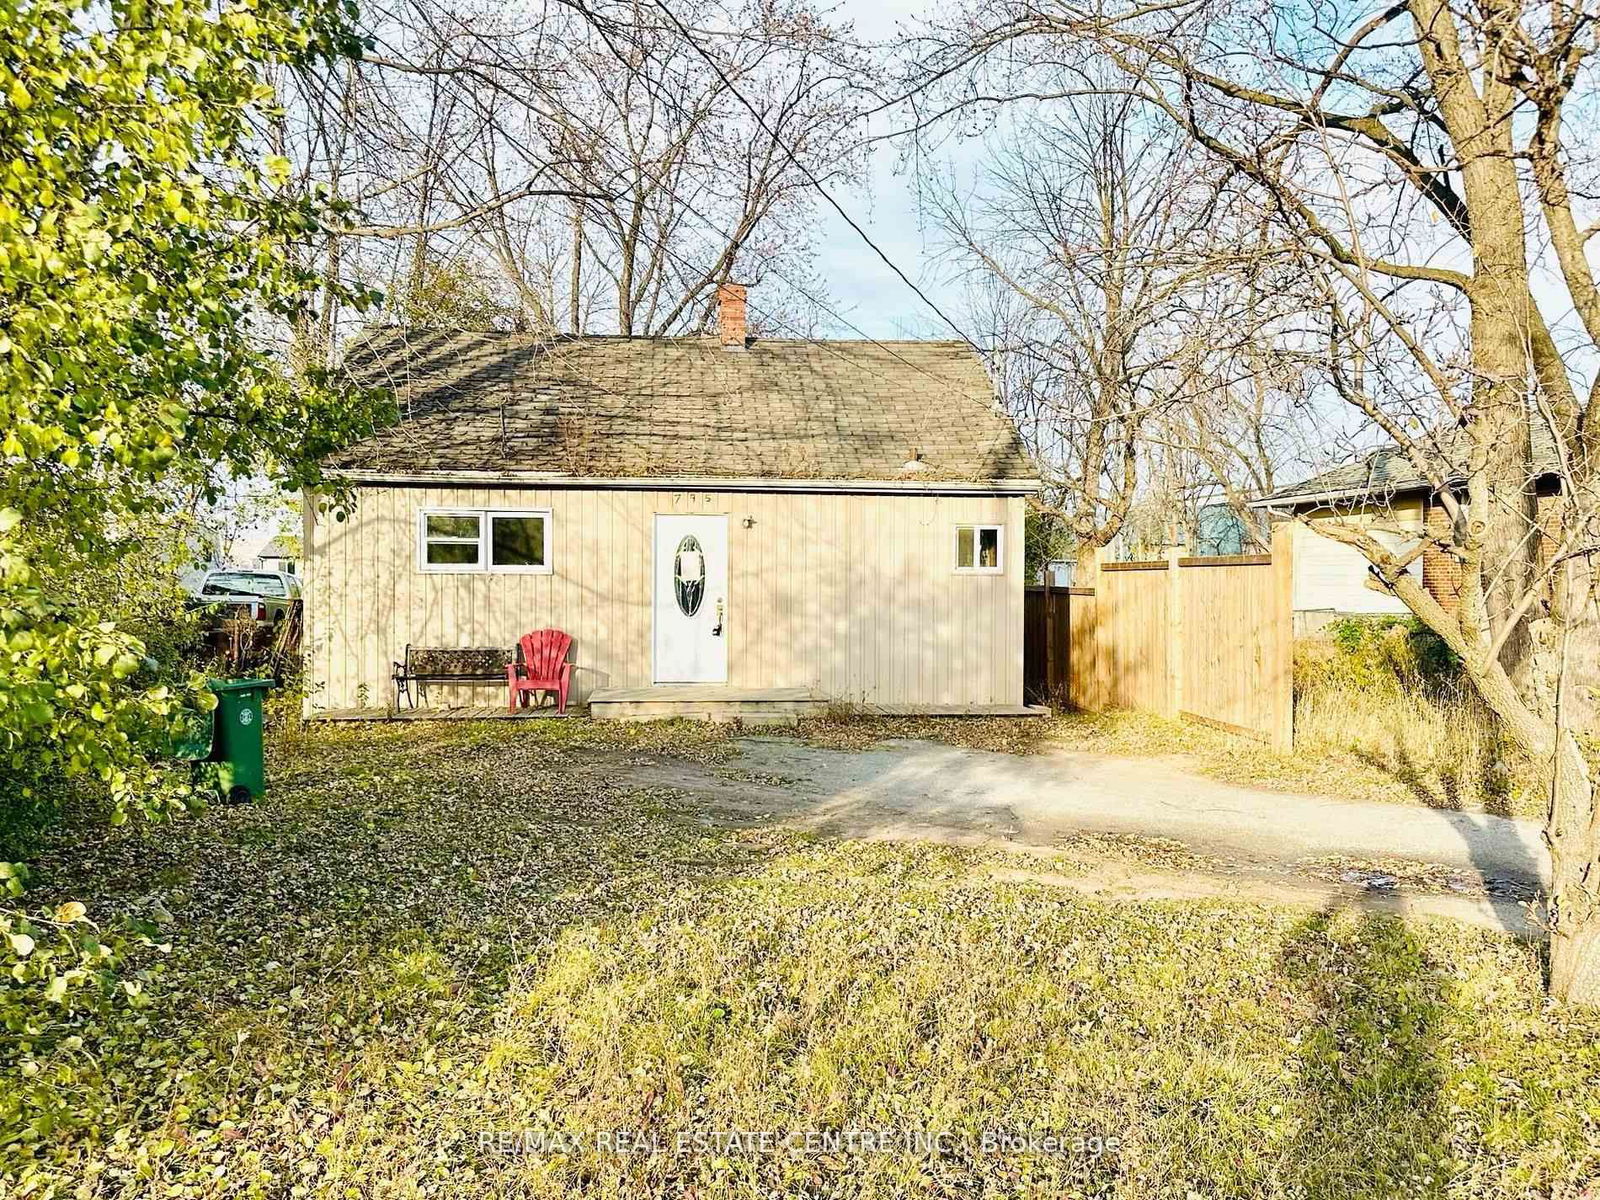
(655, 597)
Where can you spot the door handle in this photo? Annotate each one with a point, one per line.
(717, 630)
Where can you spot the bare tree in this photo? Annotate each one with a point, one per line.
(1096, 237)
(588, 155)
(1418, 164)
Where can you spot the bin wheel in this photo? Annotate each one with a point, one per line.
(239, 794)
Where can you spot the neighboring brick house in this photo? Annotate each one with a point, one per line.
(1383, 489)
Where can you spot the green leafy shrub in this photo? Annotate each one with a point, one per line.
(1389, 653)
(146, 241)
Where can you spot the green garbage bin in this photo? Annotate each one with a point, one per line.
(237, 746)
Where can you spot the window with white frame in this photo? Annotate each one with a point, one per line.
(479, 539)
(980, 549)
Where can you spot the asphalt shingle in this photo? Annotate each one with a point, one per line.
(640, 407)
(1389, 470)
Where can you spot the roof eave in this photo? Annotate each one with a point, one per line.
(1328, 497)
(696, 483)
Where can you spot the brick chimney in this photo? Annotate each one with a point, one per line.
(730, 315)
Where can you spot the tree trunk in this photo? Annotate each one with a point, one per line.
(1087, 569)
(575, 277)
(1575, 949)
(1573, 831)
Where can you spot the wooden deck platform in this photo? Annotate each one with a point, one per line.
(706, 702)
(692, 701)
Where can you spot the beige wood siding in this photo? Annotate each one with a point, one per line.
(1331, 575)
(855, 596)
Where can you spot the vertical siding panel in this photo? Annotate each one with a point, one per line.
(327, 616)
(605, 583)
(774, 585)
(924, 607)
(404, 556)
(437, 593)
(873, 560)
(853, 594)
(816, 591)
(316, 614)
(375, 590)
(1017, 509)
(987, 616)
(422, 585)
(756, 591)
(339, 596)
(948, 651)
(635, 566)
(855, 608)
(890, 554)
(641, 518)
(854, 605)
(903, 634)
(767, 587)
(583, 594)
(774, 568)
(333, 597)
(931, 636)
(647, 505)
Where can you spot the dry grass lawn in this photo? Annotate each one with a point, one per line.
(1375, 721)
(432, 946)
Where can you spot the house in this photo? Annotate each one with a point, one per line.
(1383, 490)
(715, 520)
(279, 554)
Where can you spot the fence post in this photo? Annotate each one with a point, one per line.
(1175, 632)
(1282, 677)
(1104, 664)
(1049, 638)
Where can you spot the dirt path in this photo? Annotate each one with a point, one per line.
(1235, 840)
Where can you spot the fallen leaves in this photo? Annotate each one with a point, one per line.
(428, 932)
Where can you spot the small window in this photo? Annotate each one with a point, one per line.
(517, 541)
(481, 540)
(978, 549)
(452, 541)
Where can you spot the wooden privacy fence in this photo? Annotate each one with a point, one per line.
(1210, 639)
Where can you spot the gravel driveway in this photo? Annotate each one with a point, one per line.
(916, 789)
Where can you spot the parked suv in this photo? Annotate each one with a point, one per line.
(263, 595)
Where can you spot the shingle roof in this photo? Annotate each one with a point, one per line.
(637, 407)
(1389, 470)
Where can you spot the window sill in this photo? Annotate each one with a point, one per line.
(486, 570)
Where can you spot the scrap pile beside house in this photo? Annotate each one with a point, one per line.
(725, 525)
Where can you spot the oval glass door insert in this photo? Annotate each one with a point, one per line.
(689, 575)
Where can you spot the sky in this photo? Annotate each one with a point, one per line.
(864, 289)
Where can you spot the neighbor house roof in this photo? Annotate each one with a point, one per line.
(278, 547)
(681, 407)
(1389, 471)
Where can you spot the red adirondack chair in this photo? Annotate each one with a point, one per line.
(541, 666)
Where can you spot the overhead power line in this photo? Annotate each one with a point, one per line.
(683, 31)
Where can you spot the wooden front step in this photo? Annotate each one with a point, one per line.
(706, 702)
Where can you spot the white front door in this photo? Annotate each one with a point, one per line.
(691, 599)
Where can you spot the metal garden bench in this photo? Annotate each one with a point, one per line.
(431, 664)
